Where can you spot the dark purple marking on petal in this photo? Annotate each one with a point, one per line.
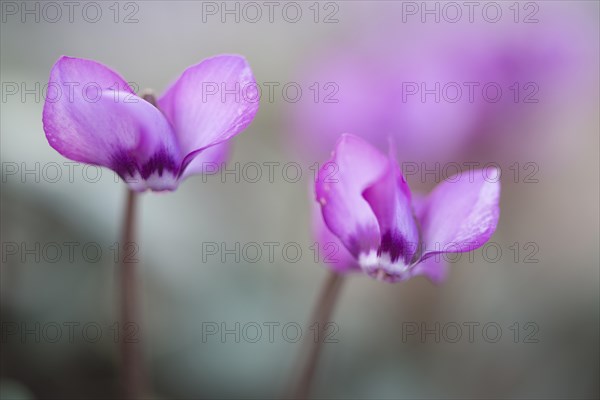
(160, 162)
(126, 164)
(397, 246)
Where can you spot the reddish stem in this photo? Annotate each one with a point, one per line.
(312, 348)
(131, 359)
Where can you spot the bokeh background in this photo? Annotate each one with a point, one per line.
(547, 291)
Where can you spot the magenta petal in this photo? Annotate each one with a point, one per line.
(390, 199)
(86, 74)
(108, 127)
(461, 214)
(331, 251)
(208, 161)
(436, 270)
(210, 103)
(354, 165)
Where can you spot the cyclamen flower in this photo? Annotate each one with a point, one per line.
(380, 228)
(92, 115)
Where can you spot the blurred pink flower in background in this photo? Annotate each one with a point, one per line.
(435, 87)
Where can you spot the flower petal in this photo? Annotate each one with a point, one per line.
(354, 165)
(208, 161)
(461, 214)
(210, 103)
(87, 120)
(331, 250)
(436, 270)
(390, 200)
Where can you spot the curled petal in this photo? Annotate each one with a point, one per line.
(434, 268)
(87, 120)
(354, 166)
(331, 250)
(461, 214)
(390, 200)
(210, 103)
(209, 161)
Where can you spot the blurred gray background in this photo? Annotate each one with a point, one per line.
(558, 295)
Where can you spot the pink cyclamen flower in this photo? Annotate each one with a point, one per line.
(92, 115)
(380, 228)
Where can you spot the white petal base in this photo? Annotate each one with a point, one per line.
(166, 182)
(382, 268)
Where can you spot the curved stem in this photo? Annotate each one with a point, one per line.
(131, 370)
(321, 315)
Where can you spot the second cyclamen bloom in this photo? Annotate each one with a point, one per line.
(367, 208)
(152, 144)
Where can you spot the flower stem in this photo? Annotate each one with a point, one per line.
(131, 360)
(312, 348)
